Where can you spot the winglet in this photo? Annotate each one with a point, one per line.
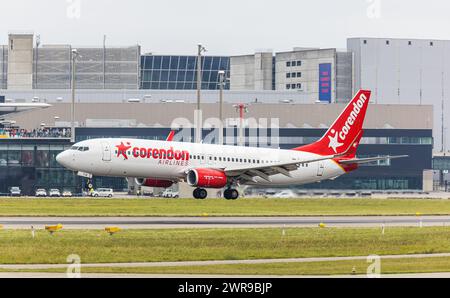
(170, 136)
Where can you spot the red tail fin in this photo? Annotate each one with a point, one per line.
(351, 152)
(170, 136)
(345, 130)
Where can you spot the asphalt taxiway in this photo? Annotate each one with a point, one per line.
(221, 222)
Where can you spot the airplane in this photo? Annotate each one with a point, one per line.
(163, 163)
(13, 107)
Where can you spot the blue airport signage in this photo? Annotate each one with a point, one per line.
(325, 82)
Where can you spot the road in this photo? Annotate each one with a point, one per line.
(220, 222)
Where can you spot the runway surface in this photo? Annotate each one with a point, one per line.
(220, 222)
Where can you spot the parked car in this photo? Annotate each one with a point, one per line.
(169, 193)
(103, 192)
(67, 193)
(285, 194)
(40, 192)
(15, 191)
(54, 192)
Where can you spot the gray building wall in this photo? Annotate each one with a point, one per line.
(341, 65)
(344, 76)
(289, 115)
(251, 72)
(407, 71)
(97, 68)
(3, 66)
(154, 96)
(20, 61)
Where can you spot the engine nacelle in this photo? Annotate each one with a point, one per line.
(150, 182)
(208, 178)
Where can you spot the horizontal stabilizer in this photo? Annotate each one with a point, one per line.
(369, 159)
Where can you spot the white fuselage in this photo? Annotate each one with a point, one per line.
(172, 160)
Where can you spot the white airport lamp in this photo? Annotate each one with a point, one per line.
(221, 85)
(75, 56)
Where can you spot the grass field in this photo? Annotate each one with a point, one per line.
(388, 266)
(95, 246)
(219, 207)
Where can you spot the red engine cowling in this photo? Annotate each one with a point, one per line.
(150, 182)
(208, 178)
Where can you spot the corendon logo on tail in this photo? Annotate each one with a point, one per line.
(169, 156)
(345, 130)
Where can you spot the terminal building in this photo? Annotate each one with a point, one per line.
(407, 71)
(303, 88)
(390, 130)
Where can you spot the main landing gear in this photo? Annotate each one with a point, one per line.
(231, 194)
(200, 193)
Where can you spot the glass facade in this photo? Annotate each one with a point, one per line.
(180, 72)
(32, 164)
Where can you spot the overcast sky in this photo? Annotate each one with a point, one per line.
(225, 27)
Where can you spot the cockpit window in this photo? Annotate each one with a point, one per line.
(74, 148)
(83, 148)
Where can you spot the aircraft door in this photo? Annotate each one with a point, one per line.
(320, 168)
(106, 151)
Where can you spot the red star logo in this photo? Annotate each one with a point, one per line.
(122, 149)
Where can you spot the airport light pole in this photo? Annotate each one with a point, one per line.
(242, 108)
(75, 55)
(221, 85)
(198, 135)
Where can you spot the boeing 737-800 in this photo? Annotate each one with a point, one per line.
(163, 163)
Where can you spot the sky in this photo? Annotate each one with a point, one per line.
(226, 27)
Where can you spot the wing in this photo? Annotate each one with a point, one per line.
(370, 159)
(265, 171)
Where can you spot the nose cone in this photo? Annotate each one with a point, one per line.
(63, 159)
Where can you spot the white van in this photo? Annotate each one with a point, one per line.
(103, 192)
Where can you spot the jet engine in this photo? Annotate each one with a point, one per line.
(208, 178)
(150, 182)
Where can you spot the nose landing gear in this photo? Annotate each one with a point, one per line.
(200, 193)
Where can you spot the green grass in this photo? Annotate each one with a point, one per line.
(96, 246)
(388, 266)
(220, 207)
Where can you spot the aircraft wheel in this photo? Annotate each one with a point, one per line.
(203, 193)
(231, 194)
(200, 193)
